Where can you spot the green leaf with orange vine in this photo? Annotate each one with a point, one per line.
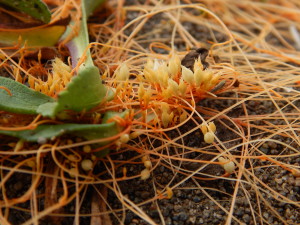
(84, 92)
(47, 132)
(44, 133)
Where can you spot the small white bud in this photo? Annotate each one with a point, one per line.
(212, 127)
(209, 137)
(73, 172)
(174, 66)
(145, 174)
(162, 75)
(72, 158)
(123, 73)
(31, 163)
(182, 87)
(141, 92)
(173, 86)
(199, 76)
(148, 164)
(207, 76)
(87, 164)
(187, 75)
(87, 148)
(166, 118)
(135, 134)
(93, 157)
(169, 192)
(228, 167)
(124, 138)
(203, 128)
(19, 145)
(183, 116)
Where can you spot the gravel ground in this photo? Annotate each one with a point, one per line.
(194, 201)
(190, 205)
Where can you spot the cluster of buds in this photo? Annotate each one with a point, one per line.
(124, 138)
(145, 173)
(166, 114)
(144, 95)
(170, 115)
(208, 132)
(174, 79)
(166, 76)
(157, 72)
(228, 166)
(56, 82)
(122, 76)
(202, 80)
(161, 81)
(168, 194)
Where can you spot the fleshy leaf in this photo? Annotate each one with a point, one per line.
(50, 132)
(40, 36)
(88, 131)
(84, 92)
(22, 99)
(35, 8)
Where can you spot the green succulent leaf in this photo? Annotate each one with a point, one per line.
(49, 132)
(84, 92)
(35, 8)
(88, 131)
(33, 37)
(22, 99)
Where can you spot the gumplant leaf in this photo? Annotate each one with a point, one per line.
(84, 92)
(43, 133)
(35, 8)
(50, 132)
(43, 37)
(39, 36)
(22, 99)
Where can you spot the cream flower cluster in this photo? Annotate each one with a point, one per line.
(174, 80)
(161, 84)
(56, 82)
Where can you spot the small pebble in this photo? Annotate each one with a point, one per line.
(278, 180)
(135, 221)
(266, 215)
(206, 213)
(196, 199)
(145, 194)
(272, 145)
(246, 218)
(264, 150)
(18, 186)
